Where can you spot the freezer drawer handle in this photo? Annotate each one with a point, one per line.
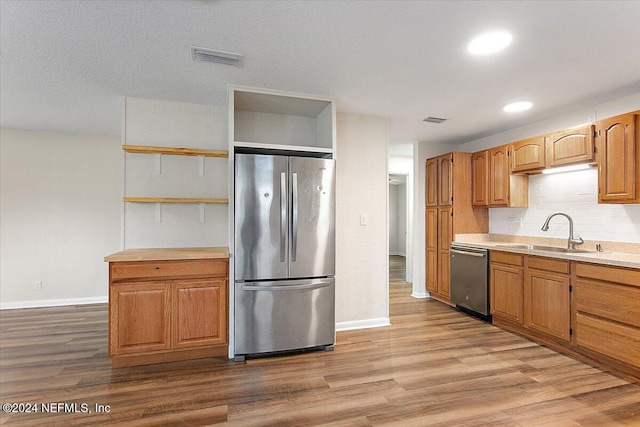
(476, 254)
(286, 287)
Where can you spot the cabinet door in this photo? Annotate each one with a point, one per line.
(529, 154)
(547, 303)
(445, 237)
(199, 313)
(445, 180)
(432, 182)
(139, 318)
(617, 165)
(507, 292)
(432, 249)
(571, 146)
(480, 178)
(499, 176)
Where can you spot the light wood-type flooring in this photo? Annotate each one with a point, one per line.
(433, 367)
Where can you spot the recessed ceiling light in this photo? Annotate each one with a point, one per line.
(516, 107)
(490, 42)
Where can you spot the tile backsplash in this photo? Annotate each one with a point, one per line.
(573, 193)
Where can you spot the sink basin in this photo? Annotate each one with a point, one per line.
(546, 248)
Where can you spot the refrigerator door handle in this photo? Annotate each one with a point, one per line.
(283, 216)
(294, 218)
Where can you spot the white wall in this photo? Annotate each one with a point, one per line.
(362, 296)
(59, 215)
(175, 124)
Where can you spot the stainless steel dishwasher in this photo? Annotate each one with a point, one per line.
(470, 280)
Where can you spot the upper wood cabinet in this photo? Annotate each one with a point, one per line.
(505, 189)
(431, 184)
(529, 155)
(480, 178)
(439, 181)
(618, 141)
(499, 176)
(575, 145)
(445, 180)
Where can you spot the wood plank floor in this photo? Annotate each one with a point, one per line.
(433, 367)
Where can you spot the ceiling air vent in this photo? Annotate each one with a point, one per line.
(434, 120)
(208, 55)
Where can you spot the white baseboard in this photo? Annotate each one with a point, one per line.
(363, 324)
(420, 295)
(53, 302)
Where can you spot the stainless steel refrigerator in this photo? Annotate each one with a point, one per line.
(284, 253)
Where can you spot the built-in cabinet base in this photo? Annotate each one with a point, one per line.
(167, 305)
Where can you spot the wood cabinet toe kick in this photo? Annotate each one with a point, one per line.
(163, 309)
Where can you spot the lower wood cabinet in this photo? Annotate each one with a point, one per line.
(140, 317)
(163, 311)
(584, 309)
(199, 315)
(547, 297)
(506, 286)
(607, 312)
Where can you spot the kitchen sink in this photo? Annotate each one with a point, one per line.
(546, 248)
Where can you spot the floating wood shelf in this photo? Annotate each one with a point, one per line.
(174, 151)
(174, 200)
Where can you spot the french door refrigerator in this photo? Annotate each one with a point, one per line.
(284, 253)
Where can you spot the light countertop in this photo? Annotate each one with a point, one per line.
(167, 254)
(615, 254)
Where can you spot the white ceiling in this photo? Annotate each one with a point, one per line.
(67, 64)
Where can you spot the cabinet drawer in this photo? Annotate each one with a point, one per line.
(611, 339)
(168, 269)
(547, 264)
(616, 302)
(609, 274)
(506, 258)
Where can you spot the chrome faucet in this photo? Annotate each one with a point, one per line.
(571, 245)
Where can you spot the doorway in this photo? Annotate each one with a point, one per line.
(399, 224)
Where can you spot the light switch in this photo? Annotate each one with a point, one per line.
(364, 220)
